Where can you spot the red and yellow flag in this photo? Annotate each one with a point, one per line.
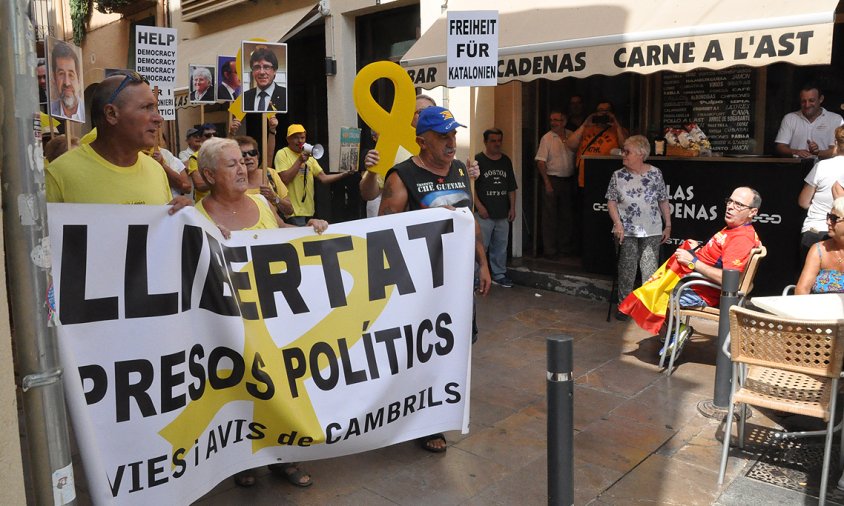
(648, 304)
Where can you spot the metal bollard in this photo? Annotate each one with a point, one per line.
(723, 364)
(560, 393)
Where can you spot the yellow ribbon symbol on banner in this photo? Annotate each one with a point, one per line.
(394, 127)
(236, 107)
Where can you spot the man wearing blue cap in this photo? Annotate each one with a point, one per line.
(434, 179)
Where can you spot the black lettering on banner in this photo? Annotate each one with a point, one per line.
(74, 307)
(197, 371)
(424, 355)
(169, 380)
(322, 348)
(287, 282)
(153, 470)
(294, 371)
(213, 297)
(327, 250)
(454, 394)
(351, 376)
(445, 334)
(369, 351)
(388, 337)
(259, 374)
(382, 245)
(124, 389)
(713, 51)
(191, 249)
(178, 462)
(139, 302)
(236, 374)
(240, 280)
(256, 431)
(432, 232)
(99, 382)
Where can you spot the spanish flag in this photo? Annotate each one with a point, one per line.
(648, 304)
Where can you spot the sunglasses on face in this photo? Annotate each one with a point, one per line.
(738, 205)
(833, 218)
(130, 76)
(208, 135)
(251, 152)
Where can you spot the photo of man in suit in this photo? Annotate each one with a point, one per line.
(201, 84)
(229, 87)
(267, 95)
(66, 82)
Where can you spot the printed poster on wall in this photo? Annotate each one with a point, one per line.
(155, 59)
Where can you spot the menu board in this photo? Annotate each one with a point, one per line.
(720, 102)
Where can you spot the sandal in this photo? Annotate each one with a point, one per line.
(244, 479)
(292, 473)
(425, 443)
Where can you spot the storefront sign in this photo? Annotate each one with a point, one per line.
(155, 59)
(188, 358)
(472, 48)
(531, 61)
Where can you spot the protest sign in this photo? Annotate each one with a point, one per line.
(155, 59)
(472, 56)
(188, 358)
(65, 83)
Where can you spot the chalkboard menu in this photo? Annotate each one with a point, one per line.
(720, 102)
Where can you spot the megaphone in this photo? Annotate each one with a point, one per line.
(314, 150)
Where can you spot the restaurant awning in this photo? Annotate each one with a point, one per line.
(552, 39)
(204, 49)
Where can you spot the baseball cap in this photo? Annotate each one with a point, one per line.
(295, 128)
(192, 131)
(438, 119)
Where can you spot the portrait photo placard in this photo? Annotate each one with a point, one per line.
(229, 86)
(65, 85)
(202, 81)
(264, 76)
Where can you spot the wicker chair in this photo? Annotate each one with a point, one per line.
(676, 313)
(786, 365)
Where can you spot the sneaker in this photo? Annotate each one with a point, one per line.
(682, 337)
(503, 281)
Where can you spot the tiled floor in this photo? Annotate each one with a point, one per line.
(638, 435)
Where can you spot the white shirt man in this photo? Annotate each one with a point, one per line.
(809, 132)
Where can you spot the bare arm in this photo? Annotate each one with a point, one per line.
(785, 150)
(332, 178)
(806, 194)
(617, 226)
(484, 277)
(198, 183)
(811, 268)
(837, 190)
(512, 214)
(394, 197)
(287, 175)
(666, 220)
(543, 171)
(369, 189)
(713, 273)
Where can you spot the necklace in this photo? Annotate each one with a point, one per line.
(838, 257)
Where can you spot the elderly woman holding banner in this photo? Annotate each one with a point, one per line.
(231, 207)
(636, 197)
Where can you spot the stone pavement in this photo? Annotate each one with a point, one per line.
(638, 435)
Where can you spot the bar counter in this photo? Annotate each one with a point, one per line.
(697, 187)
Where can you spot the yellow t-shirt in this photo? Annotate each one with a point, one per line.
(302, 185)
(193, 166)
(83, 176)
(266, 216)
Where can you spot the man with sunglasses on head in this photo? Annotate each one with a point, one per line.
(299, 171)
(113, 169)
(728, 249)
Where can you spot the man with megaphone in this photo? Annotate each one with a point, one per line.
(298, 168)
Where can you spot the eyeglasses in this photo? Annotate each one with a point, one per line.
(256, 68)
(131, 76)
(208, 135)
(833, 218)
(737, 205)
(626, 152)
(251, 152)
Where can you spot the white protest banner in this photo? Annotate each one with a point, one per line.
(155, 59)
(188, 358)
(472, 56)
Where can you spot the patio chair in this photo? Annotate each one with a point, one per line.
(785, 365)
(676, 313)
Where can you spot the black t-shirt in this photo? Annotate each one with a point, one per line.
(497, 180)
(426, 189)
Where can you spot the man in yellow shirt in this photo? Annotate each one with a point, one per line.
(298, 172)
(112, 169)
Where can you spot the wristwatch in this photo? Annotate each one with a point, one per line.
(691, 264)
(277, 200)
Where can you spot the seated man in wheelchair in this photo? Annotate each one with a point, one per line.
(729, 248)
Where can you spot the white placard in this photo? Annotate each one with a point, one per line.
(155, 59)
(472, 48)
